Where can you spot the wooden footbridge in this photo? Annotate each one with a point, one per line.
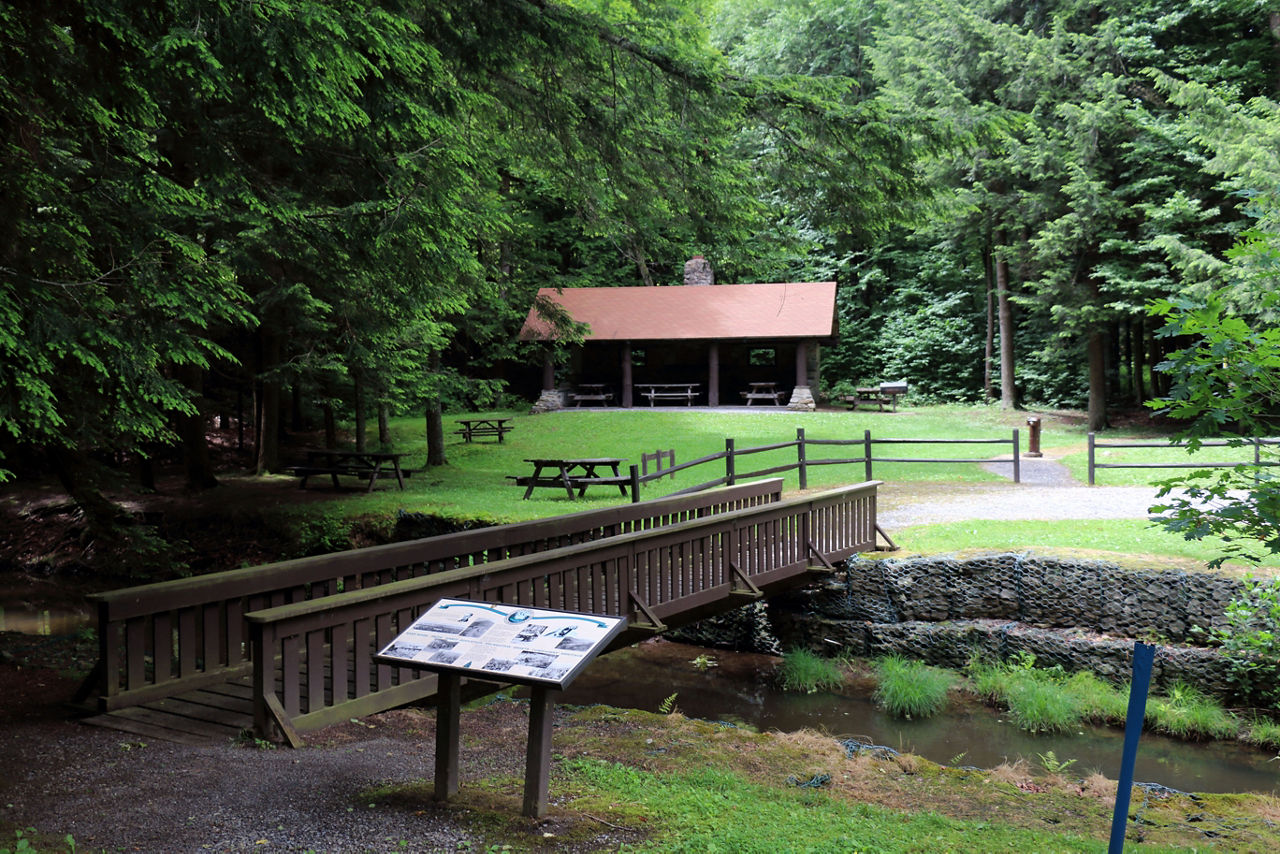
(283, 648)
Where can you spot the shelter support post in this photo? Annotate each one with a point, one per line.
(626, 374)
(713, 375)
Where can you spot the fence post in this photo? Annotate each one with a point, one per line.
(635, 484)
(804, 472)
(728, 461)
(1017, 471)
(1091, 459)
(867, 454)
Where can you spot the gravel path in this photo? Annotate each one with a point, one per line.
(115, 792)
(1047, 491)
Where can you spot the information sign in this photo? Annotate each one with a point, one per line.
(504, 643)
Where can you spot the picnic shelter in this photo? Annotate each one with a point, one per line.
(698, 343)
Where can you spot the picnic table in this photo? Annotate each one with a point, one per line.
(885, 394)
(764, 391)
(669, 391)
(591, 391)
(473, 427)
(363, 464)
(571, 474)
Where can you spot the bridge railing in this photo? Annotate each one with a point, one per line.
(314, 663)
(161, 639)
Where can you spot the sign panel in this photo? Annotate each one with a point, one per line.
(505, 643)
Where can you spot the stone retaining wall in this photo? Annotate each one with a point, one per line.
(1082, 615)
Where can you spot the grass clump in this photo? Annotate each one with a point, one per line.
(803, 671)
(1038, 699)
(1261, 732)
(1101, 702)
(1187, 712)
(911, 689)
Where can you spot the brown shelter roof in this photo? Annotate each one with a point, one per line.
(776, 310)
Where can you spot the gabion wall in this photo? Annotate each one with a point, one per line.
(1080, 614)
(1040, 591)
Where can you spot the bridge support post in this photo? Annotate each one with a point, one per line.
(448, 712)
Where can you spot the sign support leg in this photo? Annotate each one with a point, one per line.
(537, 769)
(448, 711)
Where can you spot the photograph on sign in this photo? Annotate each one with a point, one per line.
(507, 642)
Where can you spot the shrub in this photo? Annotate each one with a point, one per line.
(804, 671)
(1251, 642)
(910, 689)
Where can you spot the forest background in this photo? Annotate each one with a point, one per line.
(314, 212)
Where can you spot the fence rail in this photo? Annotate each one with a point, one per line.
(161, 639)
(314, 665)
(1257, 444)
(731, 454)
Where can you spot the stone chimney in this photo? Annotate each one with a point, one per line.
(697, 271)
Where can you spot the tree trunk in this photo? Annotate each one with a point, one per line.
(1139, 357)
(1008, 390)
(361, 421)
(268, 423)
(192, 434)
(435, 421)
(988, 355)
(1275, 48)
(296, 420)
(330, 425)
(104, 518)
(1097, 347)
(384, 426)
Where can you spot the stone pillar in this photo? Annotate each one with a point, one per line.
(550, 399)
(697, 271)
(626, 375)
(802, 396)
(713, 374)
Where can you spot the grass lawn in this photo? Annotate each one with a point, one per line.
(474, 484)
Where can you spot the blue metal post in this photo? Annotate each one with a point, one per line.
(1143, 656)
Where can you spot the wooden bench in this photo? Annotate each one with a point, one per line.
(473, 427)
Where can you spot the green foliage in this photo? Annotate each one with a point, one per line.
(1250, 639)
(803, 671)
(911, 689)
(668, 705)
(23, 843)
(1052, 764)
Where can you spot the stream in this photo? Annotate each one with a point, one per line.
(741, 689)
